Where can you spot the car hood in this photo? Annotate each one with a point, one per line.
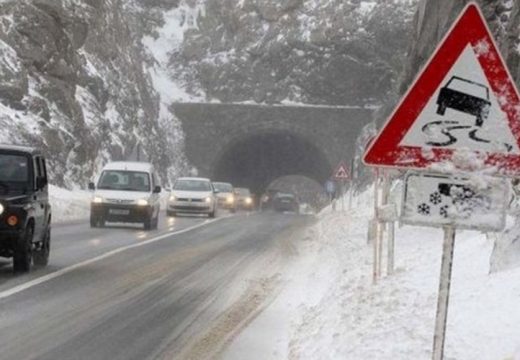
(122, 195)
(192, 194)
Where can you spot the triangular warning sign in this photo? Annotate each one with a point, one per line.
(464, 99)
(341, 172)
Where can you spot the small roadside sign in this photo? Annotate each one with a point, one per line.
(341, 172)
(440, 200)
(464, 98)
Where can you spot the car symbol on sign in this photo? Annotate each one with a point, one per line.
(450, 97)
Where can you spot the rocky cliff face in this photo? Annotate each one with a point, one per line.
(332, 52)
(74, 80)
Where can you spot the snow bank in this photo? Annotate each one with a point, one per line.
(333, 311)
(69, 205)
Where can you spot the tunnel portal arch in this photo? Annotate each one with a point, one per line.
(258, 159)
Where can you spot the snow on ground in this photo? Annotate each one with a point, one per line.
(329, 308)
(69, 205)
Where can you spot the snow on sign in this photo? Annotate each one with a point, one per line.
(464, 99)
(439, 200)
(341, 172)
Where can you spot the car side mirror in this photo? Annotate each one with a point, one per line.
(157, 190)
(91, 186)
(41, 182)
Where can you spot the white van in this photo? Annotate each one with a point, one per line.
(126, 192)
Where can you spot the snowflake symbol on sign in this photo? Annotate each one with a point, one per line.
(423, 209)
(444, 211)
(436, 198)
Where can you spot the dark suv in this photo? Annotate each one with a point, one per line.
(25, 213)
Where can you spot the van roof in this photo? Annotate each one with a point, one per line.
(129, 165)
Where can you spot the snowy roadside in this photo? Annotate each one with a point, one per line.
(329, 308)
(69, 205)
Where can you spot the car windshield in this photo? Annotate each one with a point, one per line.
(124, 180)
(14, 172)
(285, 196)
(223, 187)
(192, 185)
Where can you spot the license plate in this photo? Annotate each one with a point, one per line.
(118, 212)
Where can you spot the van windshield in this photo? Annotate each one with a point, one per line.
(124, 180)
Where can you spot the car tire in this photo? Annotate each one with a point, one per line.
(23, 252)
(148, 223)
(93, 222)
(441, 109)
(171, 213)
(41, 257)
(212, 214)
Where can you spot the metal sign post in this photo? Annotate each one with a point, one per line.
(391, 247)
(444, 293)
(377, 237)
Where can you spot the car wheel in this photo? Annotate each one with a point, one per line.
(23, 252)
(148, 223)
(93, 221)
(41, 256)
(441, 110)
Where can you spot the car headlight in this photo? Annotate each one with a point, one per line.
(249, 201)
(173, 198)
(2, 208)
(209, 200)
(142, 202)
(97, 199)
(230, 199)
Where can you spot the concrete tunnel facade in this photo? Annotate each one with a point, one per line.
(253, 145)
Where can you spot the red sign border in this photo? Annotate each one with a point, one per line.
(469, 28)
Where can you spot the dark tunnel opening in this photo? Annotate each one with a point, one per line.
(258, 160)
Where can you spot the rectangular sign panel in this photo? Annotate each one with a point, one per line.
(439, 200)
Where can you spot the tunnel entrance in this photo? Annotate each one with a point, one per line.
(258, 160)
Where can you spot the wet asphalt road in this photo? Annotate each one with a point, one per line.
(149, 298)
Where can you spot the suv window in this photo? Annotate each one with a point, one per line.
(124, 180)
(15, 168)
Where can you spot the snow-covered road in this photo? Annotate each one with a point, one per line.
(329, 308)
